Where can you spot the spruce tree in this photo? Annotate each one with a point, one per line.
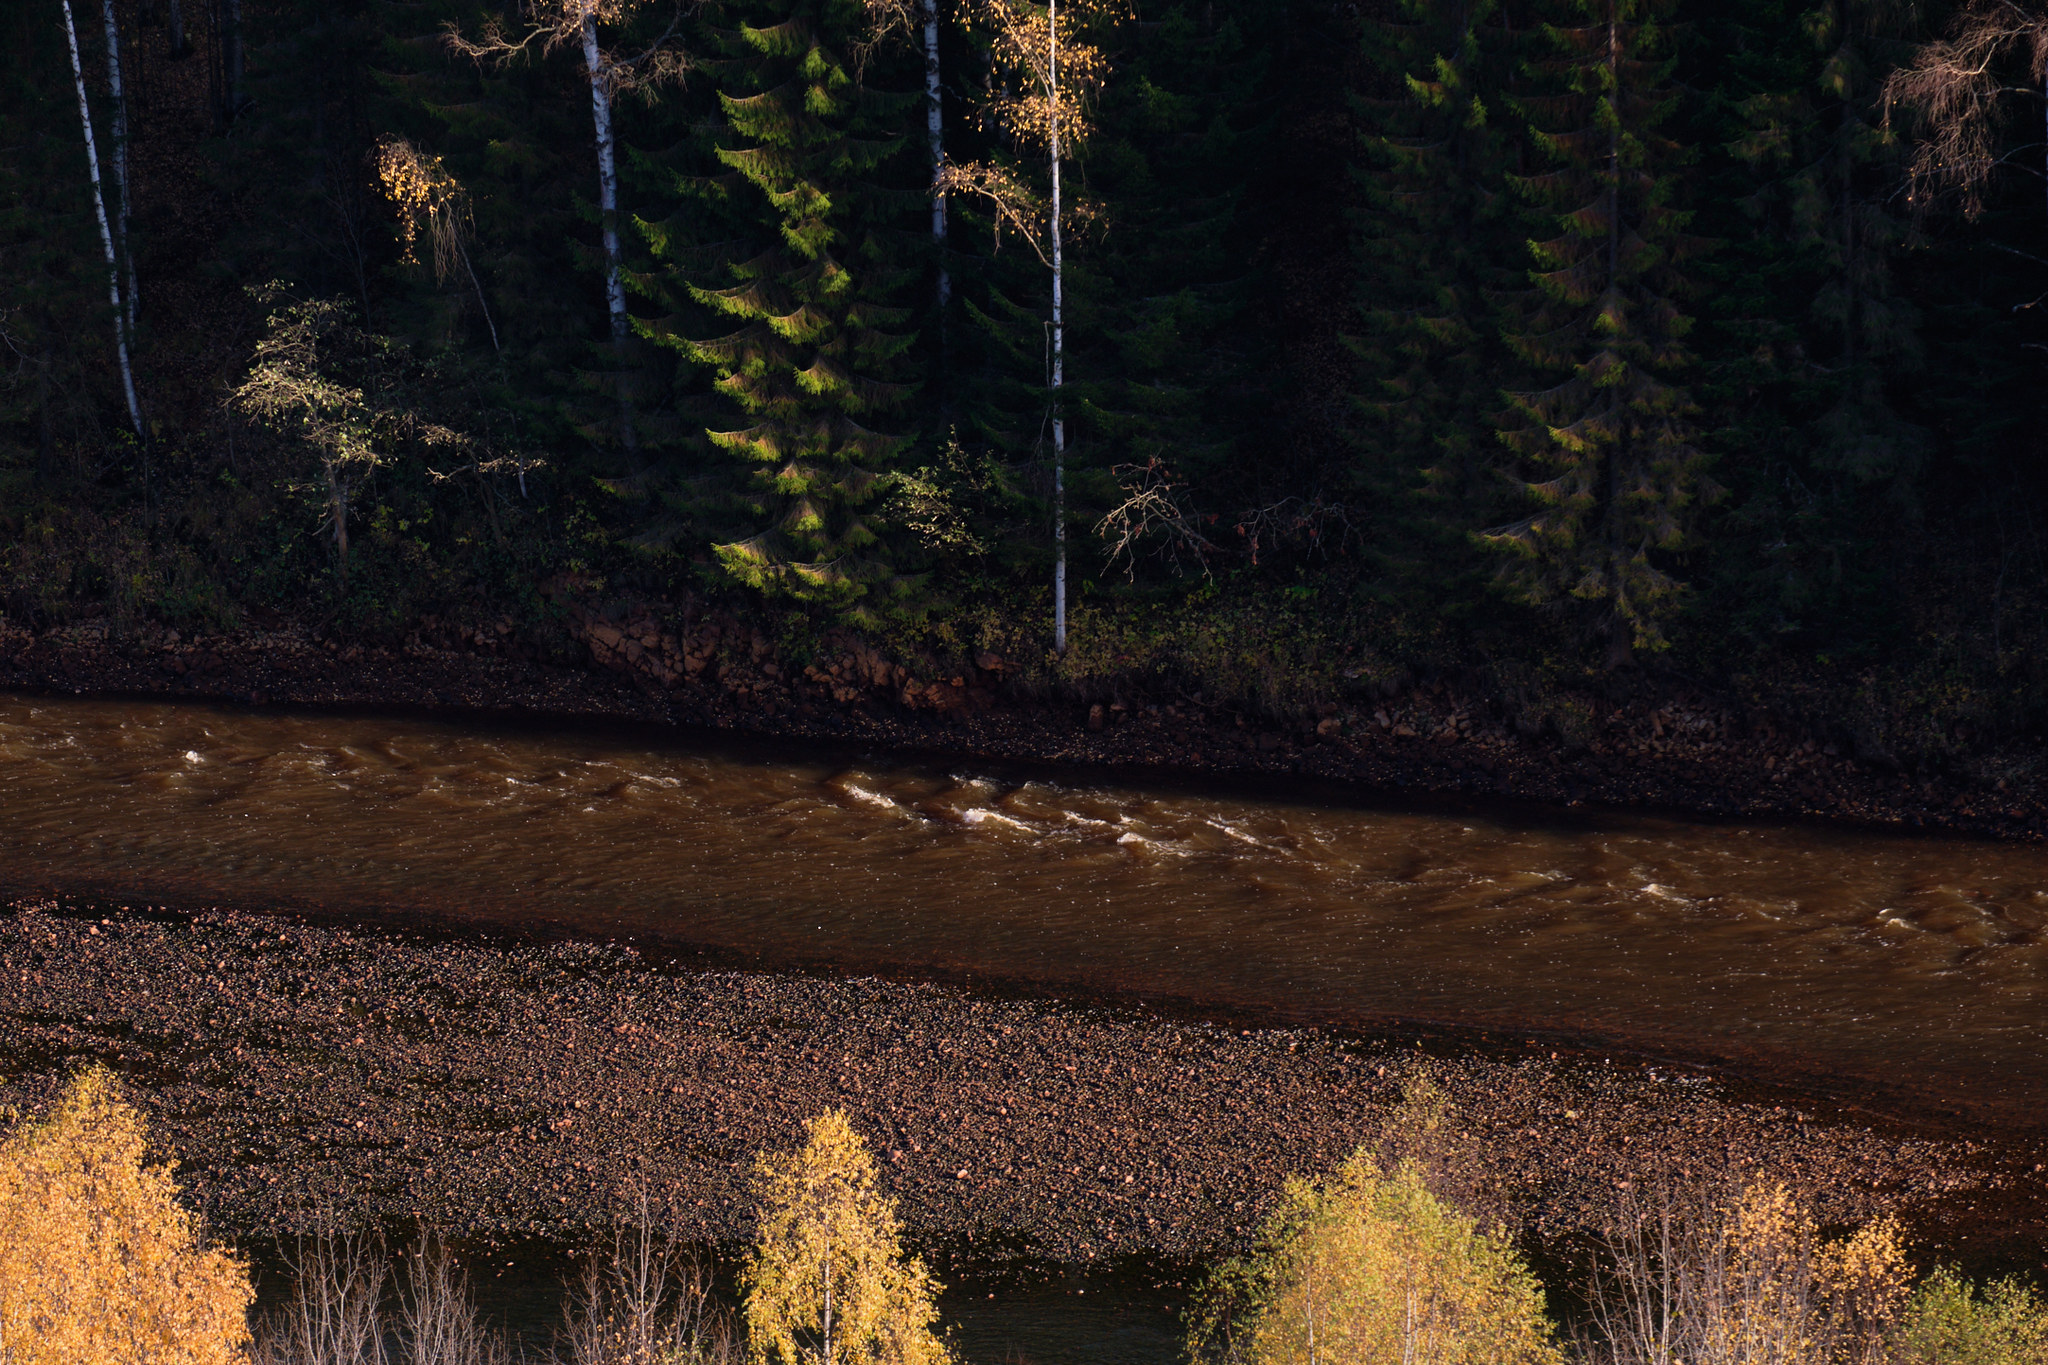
(1833, 171)
(1162, 373)
(821, 253)
(1808, 339)
(1609, 454)
(1441, 242)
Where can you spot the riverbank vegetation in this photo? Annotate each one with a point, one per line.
(1393, 1256)
(1523, 341)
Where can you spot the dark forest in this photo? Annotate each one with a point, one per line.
(1531, 342)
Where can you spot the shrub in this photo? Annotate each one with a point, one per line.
(1742, 1280)
(1947, 1322)
(827, 1280)
(98, 1261)
(1368, 1267)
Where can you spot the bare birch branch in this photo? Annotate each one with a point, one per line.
(1956, 88)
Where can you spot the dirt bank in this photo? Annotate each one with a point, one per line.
(504, 1090)
(1642, 741)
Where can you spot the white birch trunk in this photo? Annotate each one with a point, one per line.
(120, 149)
(1059, 351)
(99, 204)
(177, 27)
(608, 207)
(934, 132)
(484, 304)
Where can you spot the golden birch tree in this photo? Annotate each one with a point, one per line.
(98, 1261)
(827, 1282)
(1366, 1268)
(1047, 72)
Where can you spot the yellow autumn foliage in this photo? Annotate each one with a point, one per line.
(99, 1264)
(1366, 1267)
(827, 1281)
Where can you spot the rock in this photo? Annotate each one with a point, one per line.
(1096, 716)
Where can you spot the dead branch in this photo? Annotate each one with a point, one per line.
(1155, 508)
(1956, 89)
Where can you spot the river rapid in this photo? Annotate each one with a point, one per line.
(1915, 968)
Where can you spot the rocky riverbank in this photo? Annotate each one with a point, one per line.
(501, 1091)
(1644, 742)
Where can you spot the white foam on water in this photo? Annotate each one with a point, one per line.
(870, 798)
(981, 815)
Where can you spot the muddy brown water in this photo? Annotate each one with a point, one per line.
(1914, 967)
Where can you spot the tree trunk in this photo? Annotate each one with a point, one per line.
(177, 28)
(337, 511)
(826, 1357)
(935, 135)
(608, 209)
(99, 204)
(481, 301)
(121, 221)
(1059, 352)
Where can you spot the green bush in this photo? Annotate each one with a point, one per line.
(1949, 1322)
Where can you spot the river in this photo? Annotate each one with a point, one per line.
(1914, 967)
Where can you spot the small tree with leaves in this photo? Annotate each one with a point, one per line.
(1045, 72)
(356, 400)
(827, 1282)
(1366, 1267)
(297, 390)
(98, 1259)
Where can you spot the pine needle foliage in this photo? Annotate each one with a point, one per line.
(812, 280)
(828, 1281)
(1609, 454)
(1367, 1267)
(99, 1263)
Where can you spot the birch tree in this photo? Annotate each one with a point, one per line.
(99, 204)
(1366, 1268)
(1962, 89)
(119, 98)
(1047, 74)
(892, 16)
(827, 1282)
(427, 196)
(555, 24)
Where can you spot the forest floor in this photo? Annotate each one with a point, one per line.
(501, 1091)
(1645, 741)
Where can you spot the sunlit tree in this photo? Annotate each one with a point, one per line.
(827, 1282)
(1610, 454)
(1365, 1268)
(98, 1259)
(1047, 71)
